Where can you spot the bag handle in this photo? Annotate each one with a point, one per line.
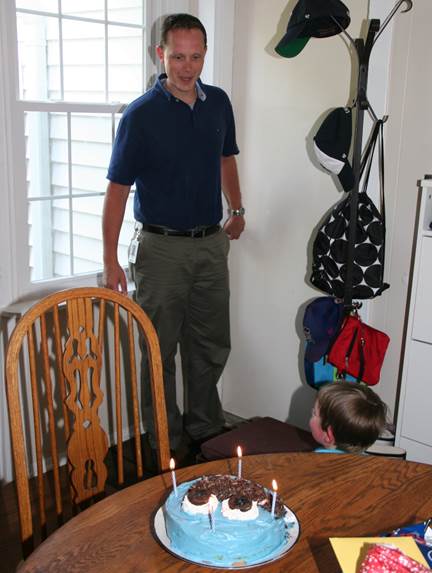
(366, 164)
(361, 352)
(358, 332)
(351, 346)
(378, 136)
(365, 168)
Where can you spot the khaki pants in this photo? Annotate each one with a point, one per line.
(182, 283)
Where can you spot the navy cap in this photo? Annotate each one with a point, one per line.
(332, 144)
(321, 322)
(312, 18)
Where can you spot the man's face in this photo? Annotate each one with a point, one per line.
(183, 58)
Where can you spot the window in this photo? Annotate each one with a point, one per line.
(67, 69)
(79, 62)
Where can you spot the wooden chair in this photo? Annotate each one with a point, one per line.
(64, 409)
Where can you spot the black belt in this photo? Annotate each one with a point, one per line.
(196, 233)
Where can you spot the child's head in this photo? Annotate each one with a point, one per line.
(348, 416)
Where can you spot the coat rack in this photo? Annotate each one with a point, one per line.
(363, 50)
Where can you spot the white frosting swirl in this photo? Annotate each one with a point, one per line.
(237, 514)
(193, 509)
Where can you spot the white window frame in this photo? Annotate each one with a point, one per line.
(15, 284)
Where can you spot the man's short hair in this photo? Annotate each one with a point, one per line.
(178, 22)
(355, 413)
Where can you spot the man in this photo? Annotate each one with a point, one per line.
(177, 143)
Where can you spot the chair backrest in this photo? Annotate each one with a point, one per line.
(63, 413)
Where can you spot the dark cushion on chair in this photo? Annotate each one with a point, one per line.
(260, 436)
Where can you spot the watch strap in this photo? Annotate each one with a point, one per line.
(237, 212)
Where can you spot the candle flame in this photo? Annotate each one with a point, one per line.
(172, 464)
(239, 451)
(274, 485)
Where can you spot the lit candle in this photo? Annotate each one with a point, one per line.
(172, 466)
(274, 494)
(239, 466)
(212, 504)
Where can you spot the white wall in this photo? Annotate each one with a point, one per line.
(279, 104)
(408, 159)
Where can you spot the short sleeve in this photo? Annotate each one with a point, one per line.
(230, 144)
(127, 150)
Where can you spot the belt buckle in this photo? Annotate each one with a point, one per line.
(198, 231)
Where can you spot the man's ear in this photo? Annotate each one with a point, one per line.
(160, 53)
(329, 436)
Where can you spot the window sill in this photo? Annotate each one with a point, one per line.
(21, 305)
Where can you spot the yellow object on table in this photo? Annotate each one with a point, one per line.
(350, 551)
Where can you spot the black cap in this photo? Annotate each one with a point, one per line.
(332, 144)
(312, 18)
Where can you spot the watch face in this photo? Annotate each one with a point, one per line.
(240, 211)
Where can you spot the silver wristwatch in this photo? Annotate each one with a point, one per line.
(237, 212)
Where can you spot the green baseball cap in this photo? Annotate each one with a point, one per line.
(312, 19)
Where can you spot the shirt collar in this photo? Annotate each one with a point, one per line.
(160, 85)
(200, 92)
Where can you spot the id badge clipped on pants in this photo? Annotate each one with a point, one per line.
(134, 244)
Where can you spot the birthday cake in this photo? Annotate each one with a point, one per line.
(225, 521)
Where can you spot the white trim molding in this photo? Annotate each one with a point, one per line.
(8, 275)
(218, 17)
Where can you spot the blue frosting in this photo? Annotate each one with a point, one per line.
(232, 543)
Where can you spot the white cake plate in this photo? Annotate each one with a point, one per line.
(293, 533)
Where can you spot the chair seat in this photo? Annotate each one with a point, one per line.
(259, 436)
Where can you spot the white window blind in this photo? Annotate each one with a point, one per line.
(74, 52)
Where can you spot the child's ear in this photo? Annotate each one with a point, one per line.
(329, 436)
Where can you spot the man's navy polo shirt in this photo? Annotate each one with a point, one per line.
(173, 154)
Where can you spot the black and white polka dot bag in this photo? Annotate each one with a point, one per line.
(330, 247)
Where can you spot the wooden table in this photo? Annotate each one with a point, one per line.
(332, 495)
